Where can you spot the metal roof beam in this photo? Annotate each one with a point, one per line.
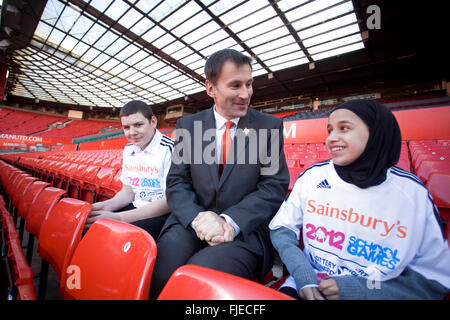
(135, 38)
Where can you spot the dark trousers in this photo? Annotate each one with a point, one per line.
(178, 246)
(152, 225)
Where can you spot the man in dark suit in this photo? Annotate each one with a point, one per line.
(227, 179)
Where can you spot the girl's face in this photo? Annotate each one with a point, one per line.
(347, 136)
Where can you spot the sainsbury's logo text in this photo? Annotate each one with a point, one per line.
(351, 216)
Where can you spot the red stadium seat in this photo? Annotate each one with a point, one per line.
(92, 188)
(443, 156)
(41, 207)
(44, 166)
(6, 172)
(22, 190)
(2, 202)
(439, 187)
(108, 191)
(404, 164)
(16, 268)
(89, 188)
(76, 181)
(26, 292)
(59, 174)
(199, 283)
(8, 226)
(60, 234)
(427, 167)
(9, 184)
(294, 173)
(116, 162)
(17, 189)
(116, 260)
(31, 193)
(38, 211)
(293, 163)
(306, 163)
(105, 176)
(21, 270)
(19, 197)
(67, 174)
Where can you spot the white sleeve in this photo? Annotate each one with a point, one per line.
(167, 162)
(432, 259)
(290, 214)
(166, 166)
(124, 174)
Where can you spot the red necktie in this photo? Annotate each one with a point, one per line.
(226, 143)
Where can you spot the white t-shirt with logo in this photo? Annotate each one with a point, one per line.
(145, 171)
(373, 233)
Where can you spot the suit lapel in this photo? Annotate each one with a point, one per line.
(209, 122)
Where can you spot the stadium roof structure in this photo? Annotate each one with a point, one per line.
(103, 53)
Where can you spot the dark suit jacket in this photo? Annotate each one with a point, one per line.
(249, 198)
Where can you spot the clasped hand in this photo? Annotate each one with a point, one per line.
(327, 289)
(100, 210)
(212, 228)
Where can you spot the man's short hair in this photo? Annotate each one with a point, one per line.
(213, 65)
(136, 106)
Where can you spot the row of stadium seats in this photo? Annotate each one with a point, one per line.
(94, 175)
(302, 155)
(431, 163)
(31, 123)
(25, 123)
(86, 175)
(80, 128)
(57, 222)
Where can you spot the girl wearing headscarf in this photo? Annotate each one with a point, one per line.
(370, 230)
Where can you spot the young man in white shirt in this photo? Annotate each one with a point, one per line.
(146, 162)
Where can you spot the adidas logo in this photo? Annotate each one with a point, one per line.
(324, 184)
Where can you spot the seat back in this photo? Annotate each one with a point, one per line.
(427, 167)
(105, 176)
(9, 184)
(199, 283)
(107, 192)
(294, 173)
(116, 261)
(21, 186)
(439, 187)
(61, 232)
(41, 207)
(30, 192)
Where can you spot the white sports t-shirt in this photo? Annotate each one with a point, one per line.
(373, 233)
(145, 171)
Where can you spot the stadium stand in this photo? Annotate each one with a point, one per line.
(26, 123)
(35, 124)
(309, 57)
(80, 128)
(49, 176)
